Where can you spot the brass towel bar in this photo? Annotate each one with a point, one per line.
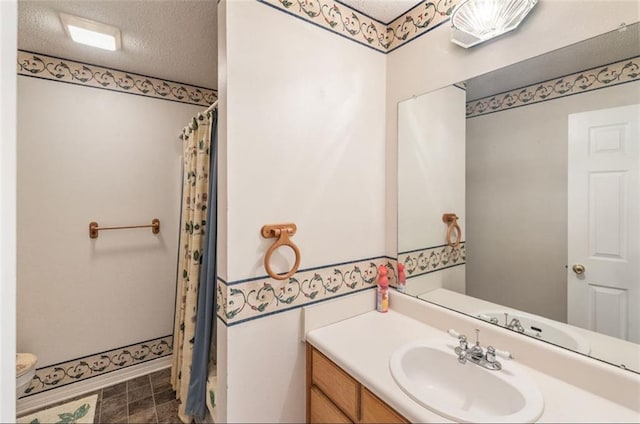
(93, 228)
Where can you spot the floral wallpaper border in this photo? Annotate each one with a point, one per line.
(426, 16)
(56, 69)
(621, 72)
(260, 297)
(69, 372)
(356, 26)
(430, 259)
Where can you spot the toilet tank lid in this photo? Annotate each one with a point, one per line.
(25, 362)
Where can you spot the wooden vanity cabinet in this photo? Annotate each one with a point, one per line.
(333, 396)
(374, 410)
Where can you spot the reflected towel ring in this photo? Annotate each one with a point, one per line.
(282, 231)
(451, 219)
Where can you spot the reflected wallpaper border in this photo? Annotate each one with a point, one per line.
(616, 73)
(259, 297)
(430, 259)
(53, 68)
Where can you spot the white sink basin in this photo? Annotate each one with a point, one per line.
(551, 331)
(429, 372)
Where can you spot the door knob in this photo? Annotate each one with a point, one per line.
(578, 269)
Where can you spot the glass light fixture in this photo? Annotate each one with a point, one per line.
(91, 33)
(475, 21)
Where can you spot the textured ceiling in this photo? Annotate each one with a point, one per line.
(168, 39)
(602, 50)
(382, 10)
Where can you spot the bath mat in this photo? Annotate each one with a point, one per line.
(78, 411)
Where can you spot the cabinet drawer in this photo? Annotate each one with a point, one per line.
(323, 410)
(375, 411)
(336, 384)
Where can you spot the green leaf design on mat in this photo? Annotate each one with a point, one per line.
(212, 398)
(35, 421)
(69, 418)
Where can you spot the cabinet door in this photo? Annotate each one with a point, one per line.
(373, 410)
(323, 410)
(336, 384)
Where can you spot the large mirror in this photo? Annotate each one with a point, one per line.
(539, 161)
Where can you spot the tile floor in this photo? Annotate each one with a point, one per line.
(147, 399)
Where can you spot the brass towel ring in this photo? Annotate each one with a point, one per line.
(451, 219)
(282, 231)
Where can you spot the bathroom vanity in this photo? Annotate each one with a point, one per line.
(333, 396)
(349, 376)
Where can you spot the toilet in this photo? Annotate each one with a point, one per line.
(25, 370)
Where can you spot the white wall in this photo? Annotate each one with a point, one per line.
(8, 45)
(221, 233)
(431, 178)
(431, 170)
(517, 200)
(432, 61)
(85, 155)
(266, 370)
(305, 139)
(221, 252)
(305, 143)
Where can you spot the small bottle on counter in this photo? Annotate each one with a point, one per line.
(382, 298)
(402, 279)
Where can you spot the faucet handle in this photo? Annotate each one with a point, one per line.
(491, 354)
(490, 358)
(461, 338)
(463, 342)
(453, 333)
(504, 354)
(484, 317)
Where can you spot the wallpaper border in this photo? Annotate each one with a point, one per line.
(75, 370)
(36, 65)
(334, 16)
(426, 260)
(621, 72)
(259, 297)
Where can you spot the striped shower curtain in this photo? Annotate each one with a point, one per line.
(195, 295)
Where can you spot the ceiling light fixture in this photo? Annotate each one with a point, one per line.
(91, 33)
(476, 21)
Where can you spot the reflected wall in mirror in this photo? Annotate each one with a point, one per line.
(540, 162)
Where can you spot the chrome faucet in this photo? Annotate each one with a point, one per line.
(476, 354)
(514, 324)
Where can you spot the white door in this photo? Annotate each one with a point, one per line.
(603, 222)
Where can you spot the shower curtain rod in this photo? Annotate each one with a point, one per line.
(213, 106)
(209, 109)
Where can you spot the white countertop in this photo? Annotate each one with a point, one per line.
(362, 346)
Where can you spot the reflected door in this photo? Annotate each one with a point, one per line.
(603, 223)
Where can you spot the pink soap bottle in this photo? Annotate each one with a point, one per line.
(382, 298)
(402, 279)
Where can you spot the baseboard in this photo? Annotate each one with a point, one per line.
(37, 401)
